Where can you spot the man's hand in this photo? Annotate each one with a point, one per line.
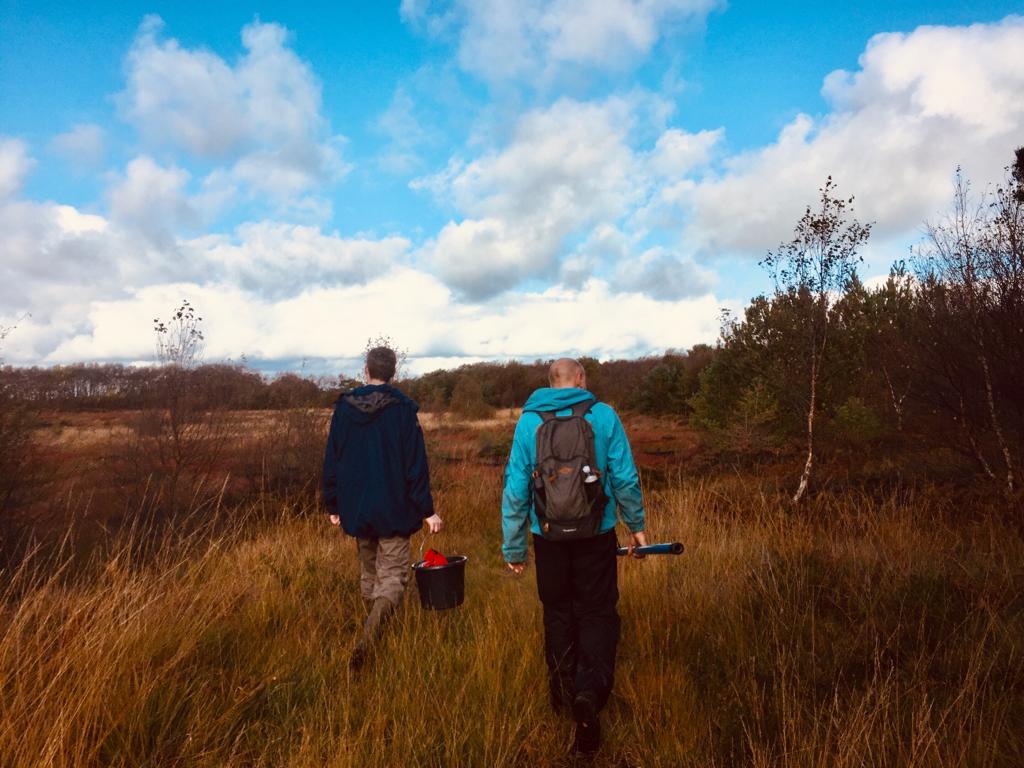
(335, 519)
(517, 568)
(638, 539)
(434, 523)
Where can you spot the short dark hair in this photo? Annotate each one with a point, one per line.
(381, 363)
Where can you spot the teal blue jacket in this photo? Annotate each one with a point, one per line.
(614, 460)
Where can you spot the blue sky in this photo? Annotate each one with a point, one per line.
(478, 180)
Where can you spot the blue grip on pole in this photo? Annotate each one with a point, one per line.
(670, 548)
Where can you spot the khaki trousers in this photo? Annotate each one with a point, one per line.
(383, 568)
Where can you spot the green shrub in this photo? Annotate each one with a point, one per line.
(468, 399)
(856, 423)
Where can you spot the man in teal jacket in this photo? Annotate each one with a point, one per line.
(577, 580)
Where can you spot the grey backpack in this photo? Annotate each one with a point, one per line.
(568, 493)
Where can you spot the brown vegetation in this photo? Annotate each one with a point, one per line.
(857, 631)
(171, 595)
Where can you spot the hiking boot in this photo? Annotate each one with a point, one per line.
(588, 725)
(379, 613)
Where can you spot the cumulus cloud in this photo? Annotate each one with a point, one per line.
(678, 153)
(152, 200)
(551, 201)
(564, 198)
(83, 145)
(14, 164)
(61, 264)
(409, 305)
(921, 104)
(263, 114)
(403, 131)
(567, 164)
(566, 168)
(278, 260)
(605, 244)
(662, 274)
(46, 245)
(483, 257)
(55, 261)
(538, 40)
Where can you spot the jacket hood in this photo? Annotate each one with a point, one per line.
(363, 404)
(556, 398)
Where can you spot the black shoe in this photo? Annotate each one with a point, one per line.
(588, 726)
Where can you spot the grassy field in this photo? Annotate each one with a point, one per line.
(860, 630)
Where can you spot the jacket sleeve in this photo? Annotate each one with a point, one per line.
(624, 479)
(332, 451)
(515, 499)
(417, 471)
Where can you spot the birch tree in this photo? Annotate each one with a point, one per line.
(180, 434)
(16, 449)
(889, 316)
(972, 256)
(814, 268)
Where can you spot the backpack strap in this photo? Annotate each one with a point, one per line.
(582, 409)
(578, 410)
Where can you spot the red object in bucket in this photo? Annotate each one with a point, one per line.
(432, 558)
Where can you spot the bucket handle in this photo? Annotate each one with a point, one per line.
(426, 535)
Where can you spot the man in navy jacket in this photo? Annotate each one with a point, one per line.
(376, 486)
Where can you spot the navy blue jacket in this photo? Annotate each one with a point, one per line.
(375, 465)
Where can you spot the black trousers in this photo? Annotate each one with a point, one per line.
(578, 586)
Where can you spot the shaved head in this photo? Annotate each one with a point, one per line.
(566, 372)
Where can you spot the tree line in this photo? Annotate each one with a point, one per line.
(933, 356)
(658, 384)
(93, 386)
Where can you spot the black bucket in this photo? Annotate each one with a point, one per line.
(441, 586)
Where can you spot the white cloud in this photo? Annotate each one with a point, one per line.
(605, 244)
(14, 164)
(678, 153)
(409, 305)
(921, 104)
(566, 168)
(483, 257)
(285, 173)
(46, 245)
(538, 40)
(61, 265)
(595, 320)
(55, 261)
(403, 131)
(662, 274)
(263, 114)
(83, 145)
(565, 165)
(568, 174)
(152, 200)
(71, 221)
(413, 11)
(185, 98)
(277, 260)
(557, 190)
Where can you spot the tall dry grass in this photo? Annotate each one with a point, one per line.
(855, 633)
